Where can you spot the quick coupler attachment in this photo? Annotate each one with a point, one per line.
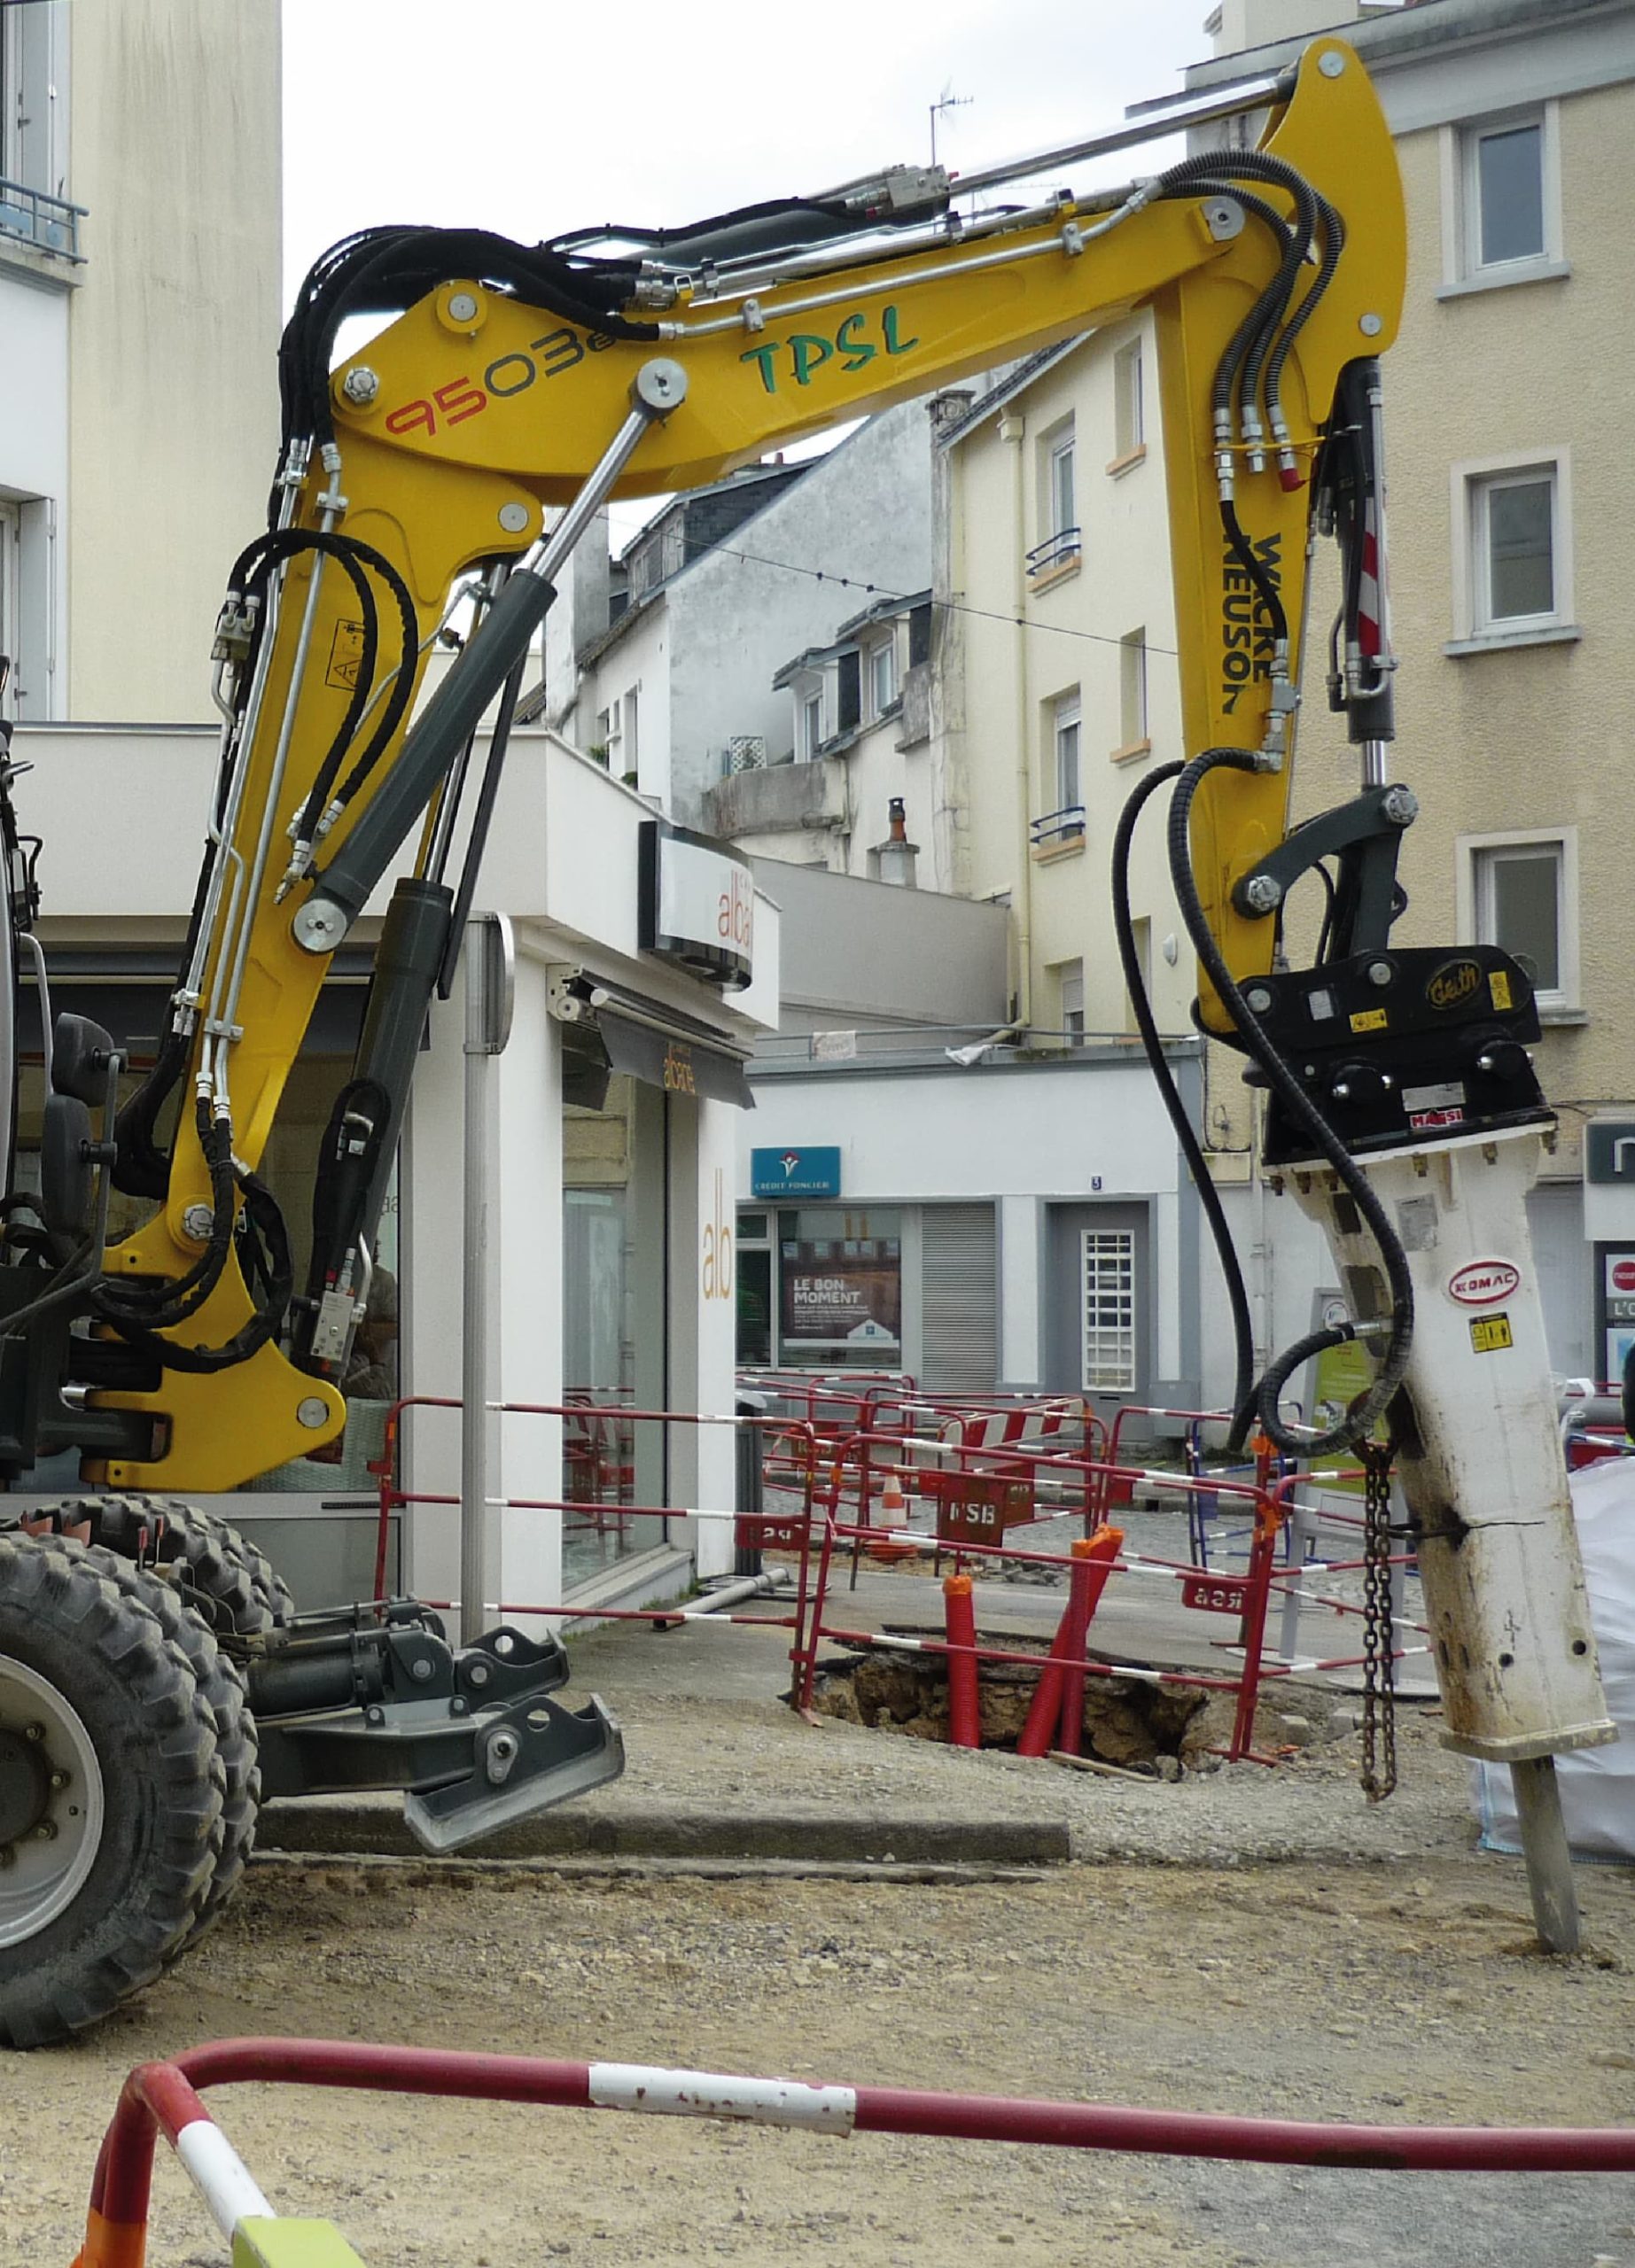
(527, 1756)
(474, 1740)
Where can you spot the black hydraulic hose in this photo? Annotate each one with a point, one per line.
(1243, 552)
(1264, 311)
(1360, 1421)
(1329, 260)
(174, 1300)
(251, 572)
(396, 704)
(390, 268)
(1191, 1149)
(274, 1265)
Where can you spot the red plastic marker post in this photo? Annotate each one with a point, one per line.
(1039, 1729)
(1092, 1564)
(964, 1705)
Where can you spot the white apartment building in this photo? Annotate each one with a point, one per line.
(666, 664)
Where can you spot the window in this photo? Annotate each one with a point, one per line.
(631, 732)
(811, 726)
(883, 677)
(33, 62)
(849, 688)
(840, 1288)
(10, 559)
(1058, 546)
(1129, 412)
(1069, 975)
(1512, 565)
(1507, 208)
(1519, 889)
(1108, 1274)
(1062, 515)
(1064, 729)
(1502, 194)
(1133, 690)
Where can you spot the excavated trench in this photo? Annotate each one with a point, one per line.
(1156, 1730)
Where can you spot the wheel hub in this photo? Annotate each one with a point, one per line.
(52, 1805)
(24, 1784)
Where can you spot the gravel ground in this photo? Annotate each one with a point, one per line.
(1254, 1941)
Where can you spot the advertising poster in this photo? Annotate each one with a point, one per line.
(838, 1291)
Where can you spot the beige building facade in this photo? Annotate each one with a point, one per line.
(1512, 621)
(1057, 687)
(140, 235)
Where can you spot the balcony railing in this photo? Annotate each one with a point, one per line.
(1054, 827)
(49, 224)
(1057, 550)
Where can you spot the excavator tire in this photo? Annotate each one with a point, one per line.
(221, 1682)
(246, 1593)
(106, 1742)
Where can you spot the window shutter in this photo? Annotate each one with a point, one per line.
(851, 690)
(958, 1300)
(918, 635)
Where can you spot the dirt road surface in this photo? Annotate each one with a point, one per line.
(1394, 1984)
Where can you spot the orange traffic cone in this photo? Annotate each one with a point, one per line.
(893, 1507)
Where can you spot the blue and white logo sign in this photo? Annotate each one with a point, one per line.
(795, 1173)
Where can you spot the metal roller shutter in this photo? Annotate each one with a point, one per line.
(958, 1300)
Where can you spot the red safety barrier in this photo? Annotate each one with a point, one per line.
(164, 2098)
(821, 1523)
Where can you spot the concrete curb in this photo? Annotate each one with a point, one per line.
(331, 1825)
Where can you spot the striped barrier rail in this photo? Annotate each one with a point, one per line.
(165, 2099)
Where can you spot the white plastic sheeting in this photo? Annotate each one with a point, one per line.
(1598, 1784)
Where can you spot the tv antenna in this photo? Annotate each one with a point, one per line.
(947, 100)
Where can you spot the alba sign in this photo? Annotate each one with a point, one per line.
(698, 903)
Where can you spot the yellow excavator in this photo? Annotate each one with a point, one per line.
(154, 1683)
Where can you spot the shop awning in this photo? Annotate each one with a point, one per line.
(672, 1060)
(648, 1040)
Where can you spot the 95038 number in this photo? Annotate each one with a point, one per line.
(509, 374)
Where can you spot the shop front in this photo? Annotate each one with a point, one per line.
(1015, 1225)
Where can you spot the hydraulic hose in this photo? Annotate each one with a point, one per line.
(1359, 1421)
(1191, 1149)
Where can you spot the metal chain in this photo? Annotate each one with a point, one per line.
(1379, 1718)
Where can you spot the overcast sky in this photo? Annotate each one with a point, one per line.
(535, 117)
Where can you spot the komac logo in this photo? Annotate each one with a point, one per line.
(1483, 1283)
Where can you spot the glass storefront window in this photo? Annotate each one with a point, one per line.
(612, 1326)
(840, 1287)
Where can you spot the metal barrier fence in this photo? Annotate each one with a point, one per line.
(990, 1493)
(1248, 1597)
(164, 2098)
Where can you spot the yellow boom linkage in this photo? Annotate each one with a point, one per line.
(478, 411)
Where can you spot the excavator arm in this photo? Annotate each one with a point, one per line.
(515, 382)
